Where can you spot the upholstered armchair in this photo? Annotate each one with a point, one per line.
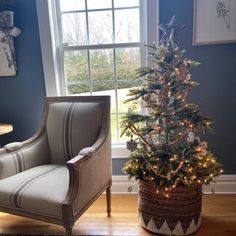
(59, 172)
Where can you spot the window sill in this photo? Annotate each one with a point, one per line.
(119, 151)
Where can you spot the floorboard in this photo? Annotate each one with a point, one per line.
(218, 219)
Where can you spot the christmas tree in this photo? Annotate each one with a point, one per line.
(164, 143)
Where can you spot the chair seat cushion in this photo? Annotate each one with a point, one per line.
(39, 190)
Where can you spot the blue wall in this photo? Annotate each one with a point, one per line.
(216, 95)
(21, 97)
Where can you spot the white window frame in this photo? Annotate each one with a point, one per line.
(49, 40)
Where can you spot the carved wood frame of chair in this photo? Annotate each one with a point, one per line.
(71, 208)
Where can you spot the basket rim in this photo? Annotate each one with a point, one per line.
(149, 183)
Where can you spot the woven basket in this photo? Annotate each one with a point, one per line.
(180, 214)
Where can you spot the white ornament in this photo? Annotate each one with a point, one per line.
(203, 147)
(188, 77)
(191, 137)
(168, 176)
(203, 144)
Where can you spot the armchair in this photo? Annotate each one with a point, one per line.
(59, 172)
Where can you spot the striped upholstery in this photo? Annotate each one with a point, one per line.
(38, 179)
(41, 189)
(24, 158)
(72, 127)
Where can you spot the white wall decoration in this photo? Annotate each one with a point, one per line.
(7, 52)
(214, 21)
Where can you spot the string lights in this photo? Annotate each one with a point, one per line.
(166, 149)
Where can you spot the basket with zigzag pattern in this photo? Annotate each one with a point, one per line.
(179, 214)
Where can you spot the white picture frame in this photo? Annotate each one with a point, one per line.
(214, 22)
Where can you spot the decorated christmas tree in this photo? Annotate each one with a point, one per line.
(164, 138)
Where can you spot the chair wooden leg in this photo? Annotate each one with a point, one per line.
(68, 231)
(108, 198)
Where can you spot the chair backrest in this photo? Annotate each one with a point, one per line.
(73, 123)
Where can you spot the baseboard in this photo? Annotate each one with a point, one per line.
(224, 184)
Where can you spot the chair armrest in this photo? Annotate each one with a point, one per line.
(13, 146)
(88, 151)
(20, 156)
(89, 172)
(83, 155)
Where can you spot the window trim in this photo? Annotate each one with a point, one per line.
(53, 68)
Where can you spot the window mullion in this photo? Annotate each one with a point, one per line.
(101, 46)
(87, 22)
(88, 52)
(114, 68)
(97, 10)
(143, 31)
(113, 22)
(116, 94)
(89, 73)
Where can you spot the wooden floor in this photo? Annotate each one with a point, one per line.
(218, 219)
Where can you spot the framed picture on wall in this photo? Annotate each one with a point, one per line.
(7, 51)
(7, 55)
(214, 21)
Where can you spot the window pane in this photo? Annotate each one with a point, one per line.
(127, 62)
(124, 138)
(76, 66)
(100, 27)
(126, 3)
(72, 5)
(74, 28)
(101, 64)
(81, 89)
(114, 128)
(106, 89)
(123, 89)
(122, 96)
(98, 4)
(127, 26)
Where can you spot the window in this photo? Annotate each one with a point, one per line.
(96, 48)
